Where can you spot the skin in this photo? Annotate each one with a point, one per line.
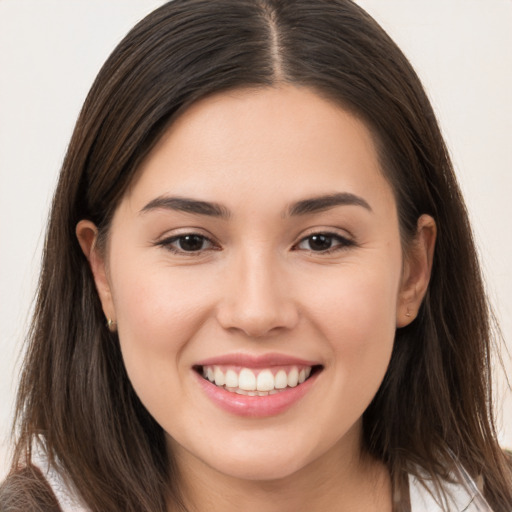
(259, 287)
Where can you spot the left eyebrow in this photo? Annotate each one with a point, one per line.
(326, 202)
(184, 204)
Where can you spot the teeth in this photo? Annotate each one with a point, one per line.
(281, 380)
(265, 381)
(293, 377)
(231, 379)
(246, 382)
(220, 379)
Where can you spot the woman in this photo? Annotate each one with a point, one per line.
(259, 288)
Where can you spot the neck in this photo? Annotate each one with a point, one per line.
(339, 481)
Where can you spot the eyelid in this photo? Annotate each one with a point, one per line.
(347, 240)
(166, 242)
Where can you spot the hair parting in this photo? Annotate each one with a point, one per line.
(434, 406)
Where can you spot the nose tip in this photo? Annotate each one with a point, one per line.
(258, 305)
(257, 323)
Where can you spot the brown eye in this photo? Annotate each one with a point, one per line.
(187, 243)
(324, 242)
(191, 243)
(320, 242)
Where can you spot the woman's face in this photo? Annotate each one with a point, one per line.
(258, 245)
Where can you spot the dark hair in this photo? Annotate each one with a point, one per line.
(434, 405)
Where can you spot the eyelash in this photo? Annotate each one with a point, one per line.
(168, 244)
(342, 243)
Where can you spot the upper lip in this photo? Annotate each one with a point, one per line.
(256, 361)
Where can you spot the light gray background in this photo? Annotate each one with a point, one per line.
(50, 52)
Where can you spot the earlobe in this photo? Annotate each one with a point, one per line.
(87, 234)
(416, 272)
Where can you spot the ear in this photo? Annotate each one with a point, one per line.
(416, 271)
(87, 234)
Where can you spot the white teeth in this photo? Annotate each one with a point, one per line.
(220, 379)
(281, 380)
(293, 377)
(265, 381)
(247, 380)
(247, 383)
(231, 379)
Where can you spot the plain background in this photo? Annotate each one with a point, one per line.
(50, 52)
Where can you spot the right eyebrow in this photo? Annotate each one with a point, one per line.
(326, 202)
(185, 204)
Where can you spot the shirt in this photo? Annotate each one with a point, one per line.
(460, 497)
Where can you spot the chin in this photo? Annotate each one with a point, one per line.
(259, 458)
(255, 468)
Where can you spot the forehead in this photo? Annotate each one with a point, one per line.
(252, 142)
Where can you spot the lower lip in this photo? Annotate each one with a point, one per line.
(255, 406)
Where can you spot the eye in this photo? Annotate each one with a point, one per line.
(324, 242)
(187, 243)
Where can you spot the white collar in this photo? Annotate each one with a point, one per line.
(423, 496)
(459, 497)
(63, 491)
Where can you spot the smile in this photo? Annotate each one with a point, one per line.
(256, 382)
(256, 386)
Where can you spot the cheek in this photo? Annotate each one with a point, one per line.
(357, 318)
(155, 304)
(158, 312)
(358, 303)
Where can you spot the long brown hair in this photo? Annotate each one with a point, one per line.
(434, 405)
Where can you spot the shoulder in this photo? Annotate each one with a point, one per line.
(459, 494)
(39, 486)
(508, 457)
(27, 490)
(61, 487)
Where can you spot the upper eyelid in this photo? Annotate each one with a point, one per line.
(166, 241)
(339, 233)
(181, 235)
(168, 238)
(179, 232)
(345, 242)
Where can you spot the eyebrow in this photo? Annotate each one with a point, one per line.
(326, 202)
(303, 207)
(183, 204)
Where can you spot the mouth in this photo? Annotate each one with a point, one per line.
(257, 382)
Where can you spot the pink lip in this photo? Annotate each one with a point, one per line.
(250, 361)
(255, 406)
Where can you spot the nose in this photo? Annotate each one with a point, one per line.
(257, 298)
